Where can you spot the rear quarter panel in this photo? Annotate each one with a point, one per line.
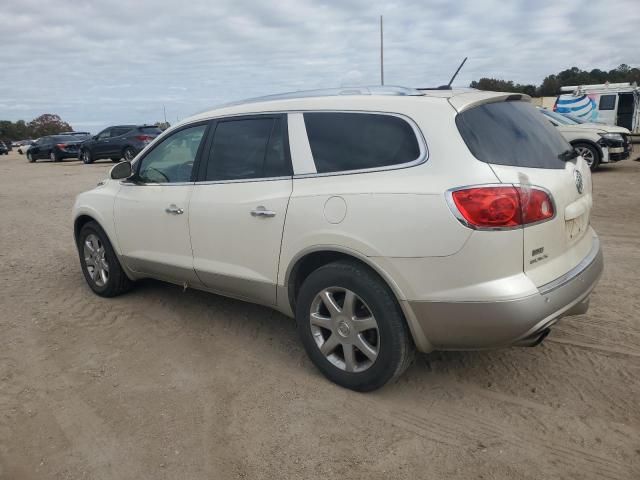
(400, 213)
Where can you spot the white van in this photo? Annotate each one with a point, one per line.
(610, 103)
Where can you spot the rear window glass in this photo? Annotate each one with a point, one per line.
(151, 130)
(512, 133)
(607, 102)
(355, 141)
(64, 138)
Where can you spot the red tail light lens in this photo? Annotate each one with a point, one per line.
(61, 145)
(144, 138)
(502, 206)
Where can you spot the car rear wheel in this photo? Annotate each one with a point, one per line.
(100, 265)
(115, 160)
(128, 154)
(30, 157)
(352, 326)
(86, 156)
(54, 157)
(590, 155)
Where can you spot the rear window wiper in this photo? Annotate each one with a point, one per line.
(568, 155)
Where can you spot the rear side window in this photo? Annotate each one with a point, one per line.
(247, 148)
(512, 133)
(355, 141)
(117, 131)
(607, 102)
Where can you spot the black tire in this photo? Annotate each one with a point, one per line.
(594, 153)
(115, 160)
(30, 158)
(86, 156)
(54, 157)
(394, 343)
(117, 282)
(128, 154)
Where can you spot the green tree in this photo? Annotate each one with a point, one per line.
(48, 124)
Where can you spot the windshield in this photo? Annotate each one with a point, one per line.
(574, 118)
(558, 117)
(512, 133)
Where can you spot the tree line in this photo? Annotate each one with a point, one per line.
(46, 124)
(550, 86)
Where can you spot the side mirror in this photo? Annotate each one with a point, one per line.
(121, 170)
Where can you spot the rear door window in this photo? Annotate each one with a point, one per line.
(357, 141)
(247, 149)
(117, 131)
(512, 133)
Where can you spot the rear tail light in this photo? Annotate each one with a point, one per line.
(61, 145)
(499, 207)
(144, 138)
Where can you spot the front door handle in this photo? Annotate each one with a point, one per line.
(261, 211)
(174, 210)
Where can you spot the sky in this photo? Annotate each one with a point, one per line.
(99, 63)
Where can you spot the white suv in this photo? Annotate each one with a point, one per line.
(384, 220)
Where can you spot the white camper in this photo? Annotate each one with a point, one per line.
(610, 103)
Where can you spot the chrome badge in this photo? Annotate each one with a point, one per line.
(579, 184)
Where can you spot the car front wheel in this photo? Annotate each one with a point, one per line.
(100, 265)
(30, 157)
(590, 155)
(352, 326)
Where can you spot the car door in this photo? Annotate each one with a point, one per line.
(238, 207)
(117, 140)
(151, 209)
(102, 143)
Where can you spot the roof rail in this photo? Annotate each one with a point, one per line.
(330, 92)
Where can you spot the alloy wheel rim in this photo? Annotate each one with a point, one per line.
(128, 154)
(95, 260)
(344, 329)
(586, 154)
(52, 156)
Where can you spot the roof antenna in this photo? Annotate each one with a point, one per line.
(448, 85)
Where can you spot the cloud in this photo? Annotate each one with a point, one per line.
(122, 61)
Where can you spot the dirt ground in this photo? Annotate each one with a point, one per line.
(161, 384)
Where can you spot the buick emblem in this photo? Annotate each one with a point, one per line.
(579, 184)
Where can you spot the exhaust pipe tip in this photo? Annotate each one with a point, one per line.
(533, 340)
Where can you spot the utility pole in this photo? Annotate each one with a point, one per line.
(381, 54)
(164, 110)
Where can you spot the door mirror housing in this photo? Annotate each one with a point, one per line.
(121, 171)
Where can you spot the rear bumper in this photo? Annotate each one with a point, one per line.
(480, 325)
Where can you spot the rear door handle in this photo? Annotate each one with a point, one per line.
(261, 211)
(174, 210)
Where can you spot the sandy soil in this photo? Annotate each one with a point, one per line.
(164, 384)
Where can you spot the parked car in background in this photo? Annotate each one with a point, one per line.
(597, 143)
(54, 147)
(610, 103)
(8, 145)
(3, 149)
(384, 219)
(118, 141)
(24, 146)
